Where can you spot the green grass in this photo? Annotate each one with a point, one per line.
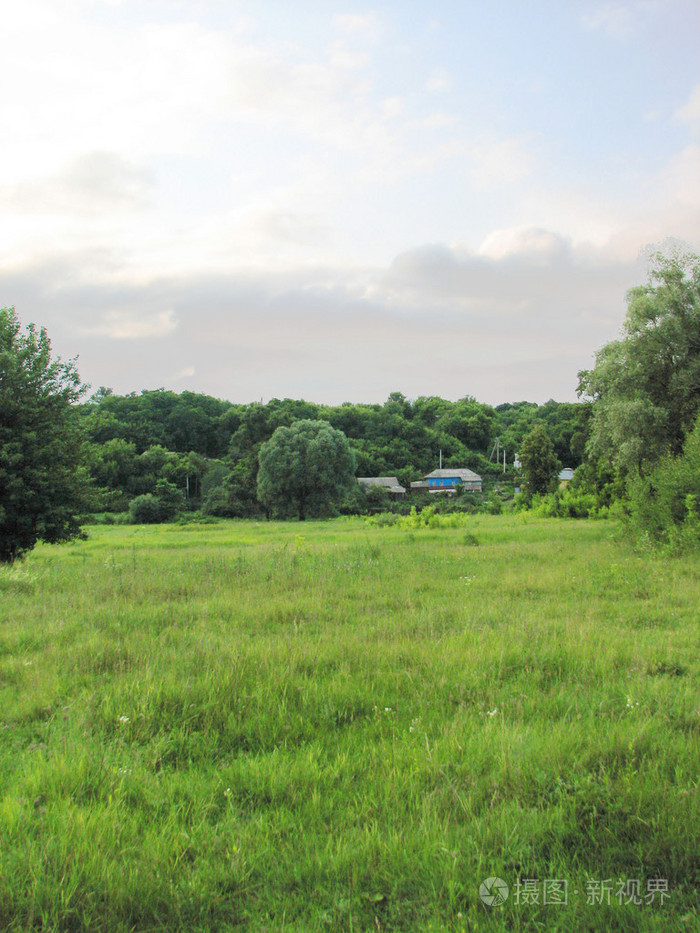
(333, 726)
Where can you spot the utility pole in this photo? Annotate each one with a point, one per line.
(496, 450)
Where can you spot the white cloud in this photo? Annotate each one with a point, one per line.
(439, 80)
(614, 19)
(363, 26)
(124, 325)
(437, 121)
(680, 182)
(90, 184)
(535, 245)
(690, 112)
(440, 320)
(500, 162)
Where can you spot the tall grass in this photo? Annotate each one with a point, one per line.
(333, 726)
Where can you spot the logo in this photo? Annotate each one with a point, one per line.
(493, 892)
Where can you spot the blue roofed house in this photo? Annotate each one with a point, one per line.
(448, 480)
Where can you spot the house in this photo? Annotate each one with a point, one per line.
(565, 476)
(448, 480)
(388, 483)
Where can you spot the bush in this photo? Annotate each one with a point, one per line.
(427, 517)
(217, 503)
(664, 506)
(146, 510)
(171, 499)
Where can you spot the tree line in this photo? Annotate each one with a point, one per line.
(210, 449)
(633, 438)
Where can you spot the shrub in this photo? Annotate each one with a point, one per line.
(665, 505)
(145, 510)
(217, 503)
(170, 498)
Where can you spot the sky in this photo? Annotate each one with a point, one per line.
(336, 200)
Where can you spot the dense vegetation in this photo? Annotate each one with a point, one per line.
(339, 726)
(42, 483)
(210, 449)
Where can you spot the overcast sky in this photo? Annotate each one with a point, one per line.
(336, 200)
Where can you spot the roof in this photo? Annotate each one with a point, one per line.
(566, 473)
(386, 482)
(466, 476)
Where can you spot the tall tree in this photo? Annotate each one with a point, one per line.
(42, 481)
(646, 386)
(306, 468)
(539, 462)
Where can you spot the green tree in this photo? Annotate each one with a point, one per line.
(43, 484)
(539, 462)
(665, 503)
(306, 468)
(646, 386)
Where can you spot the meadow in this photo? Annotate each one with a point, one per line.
(330, 726)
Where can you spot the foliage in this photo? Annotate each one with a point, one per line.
(305, 469)
(182, 423)
(145, 510)
(171, 499)
(539, 462)
(567, 425)
(646, 386)
(217, 503)
(43, 484)
(665, 503)
(401, 437)
(162, 505)
(428, 517)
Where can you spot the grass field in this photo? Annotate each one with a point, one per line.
(334, 726)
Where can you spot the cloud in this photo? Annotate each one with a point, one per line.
(90, 184)
(614, 19)
(126, 325)
(439, 80)
(438, 121)
(679, 184)
(690, 112)
(493, 163)
(363, 26)
(532, 244)
(517, 319)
